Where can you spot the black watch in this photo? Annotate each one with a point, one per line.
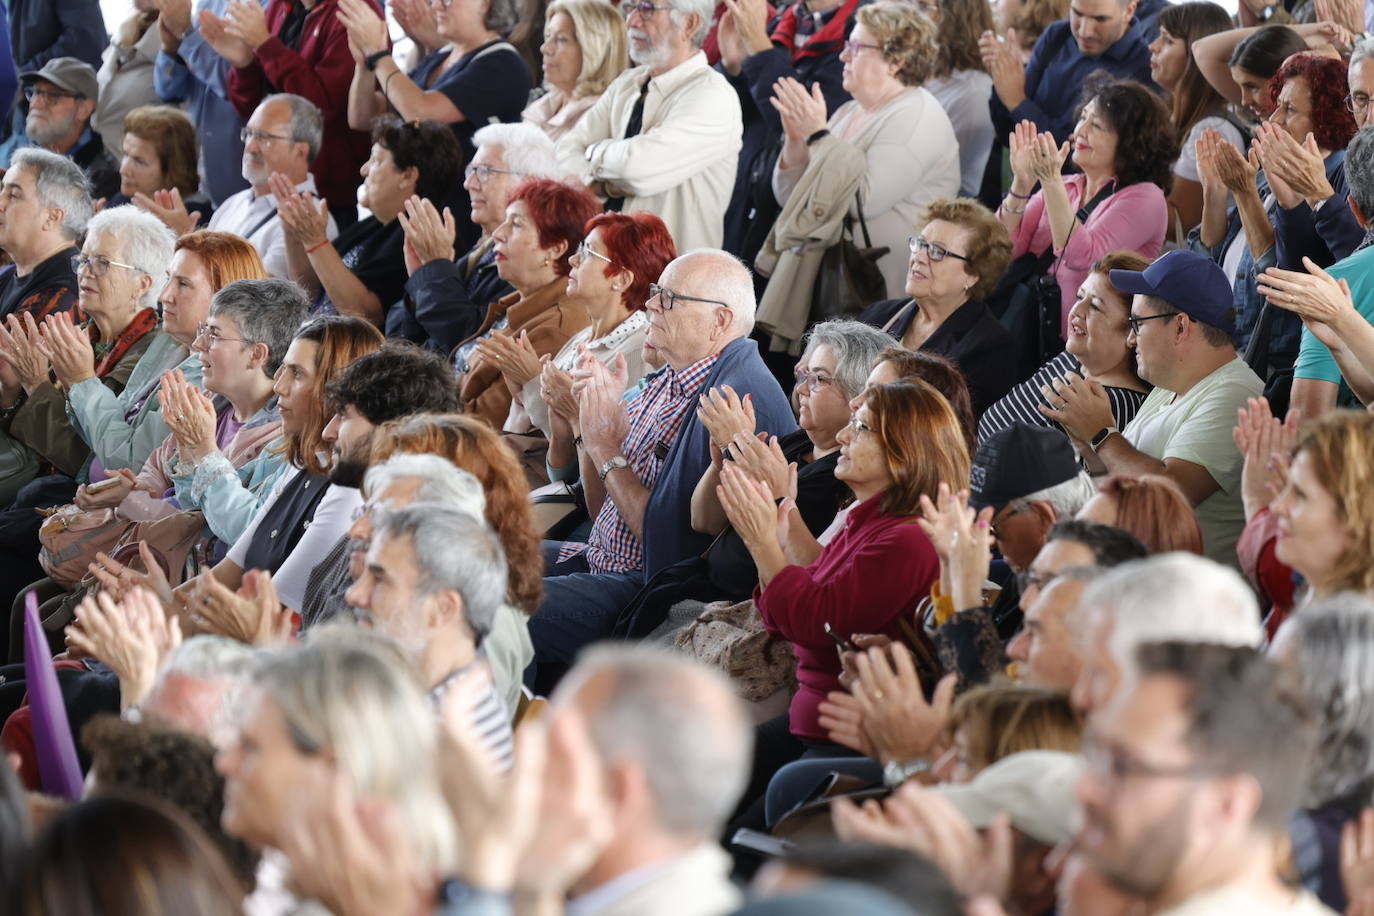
(824, 131)
(1101, 436)
(371, 61)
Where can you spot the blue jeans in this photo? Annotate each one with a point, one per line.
(795, 782)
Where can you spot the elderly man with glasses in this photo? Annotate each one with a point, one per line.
(62, 97)
(641, 460)
(665, 136)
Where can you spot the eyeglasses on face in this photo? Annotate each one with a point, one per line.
(99, 266)
(262, 136)
(1029, 578)
(49, 96)
(933, 251)
(854, 47)
(1007, 513)
(212, 336)
(1356, 102)
(857, 426)
(669, 299)
(642, 7)
(584, 251)
(1135, 322)
(1117, 766)
(483, 172)
(813, 380)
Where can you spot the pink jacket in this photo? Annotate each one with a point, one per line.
(1134, 218)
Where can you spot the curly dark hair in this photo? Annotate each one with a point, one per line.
(395, 381)
(961, 22)
(1146, 142)
(173, 766)
(1332, 123)
(429, 147)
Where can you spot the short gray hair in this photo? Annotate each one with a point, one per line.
(145, 242)
(1364, 48)
(856, 347)
(1332, 645)
(524, 148)
(680, 722)
(217, 658)
(454, 551)
(1066, 498)
(705, 10)
(441, 482)
(1159, 598)
(1359, 169)
(354, 693)
(61, 184)
(266, 311)
(307, 121)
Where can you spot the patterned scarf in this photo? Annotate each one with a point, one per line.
(108, 355)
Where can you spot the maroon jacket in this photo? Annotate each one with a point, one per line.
(320, 71)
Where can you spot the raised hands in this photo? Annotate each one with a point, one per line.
(750, 508)
(68, 348)
(119, 579)
(252, 615)
(227, 44)
(725, 414)
(1357, 863)
(514, 357)
(416, 19)
(429, 237)
(305, 218)
(21, 351)
(765, 463)
(601, 407)
(898, 720)
(1004, 64)
(133, 636)
(556, 388)
(366, 30)
(802, 112)
(962, 539)
(1078, 404)
(750, 21)
(1028, 147)
(168, 206)
(1266, 444)
(246, 20)
(189, 414)
(1322, 302)
(1300, 166)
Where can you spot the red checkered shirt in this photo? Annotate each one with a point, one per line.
(656, 413)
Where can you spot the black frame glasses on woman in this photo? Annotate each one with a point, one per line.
(933, 251)
(669, 299)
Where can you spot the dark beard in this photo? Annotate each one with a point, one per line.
(348, 473)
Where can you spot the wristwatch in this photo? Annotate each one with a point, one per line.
(896, 772)
(1102, 436)
(617, 462)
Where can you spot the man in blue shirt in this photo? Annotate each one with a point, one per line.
(1098, 35)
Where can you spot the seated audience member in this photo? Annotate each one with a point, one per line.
(961, 84)
(1157, 599)
(800, 42)
(1194, 105)
(1151, 507)
(471, 446)
(831, 372)
(992, 722)
(1124, 149)
(691, 767)
(641, 459)
(433, 579)
(609, 276)
(1335, 365)
(1030, 19)
(273, 48)
(344, 712)
(888, 466)
(125, 76)
(123, 429)
(956, 260)
(910, 154)
(362, 272)
(120, 271)
(474, 77)
(304, 514)
(898, 363)
(543, 228)
(190, 73)
(1094, 348)
(446, 297)
(1226, 718)
(396, 483)
(282, 136)
(583, 52)
(1048, 651)
(44, 209)
(160, 154)
(199, 689)
(1327, 646)
(172, 766)
(1044, 89)
(1240, 62)
(1182, 323)
(1308, 93)
(396, 381)
(122, 854)
(62, 97)
(665, 135)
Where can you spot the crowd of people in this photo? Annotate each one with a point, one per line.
(894, 457)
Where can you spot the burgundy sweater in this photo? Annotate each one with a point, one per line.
(874, 571)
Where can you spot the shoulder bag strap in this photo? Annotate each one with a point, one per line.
(863, 223)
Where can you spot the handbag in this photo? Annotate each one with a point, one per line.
(849, 279)
(730, 638)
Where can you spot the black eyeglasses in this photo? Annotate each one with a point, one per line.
(1135, 322)
(49, 96)
(936, 252)
(669, 299)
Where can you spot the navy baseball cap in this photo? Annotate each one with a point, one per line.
(1190, 282)
(1018, 461)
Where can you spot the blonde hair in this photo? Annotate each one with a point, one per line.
(907, 38)
(1003, 718)
(600, 31)
(1340, 446)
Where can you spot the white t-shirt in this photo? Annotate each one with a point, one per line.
(1234, 901)
(1186, 164)
(1197, 427)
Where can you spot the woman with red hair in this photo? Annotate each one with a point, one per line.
(534, 247)
(1151, 507)
(611, 271)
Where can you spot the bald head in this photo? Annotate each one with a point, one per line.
(720, 308)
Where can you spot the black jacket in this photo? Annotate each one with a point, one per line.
(100, 167)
